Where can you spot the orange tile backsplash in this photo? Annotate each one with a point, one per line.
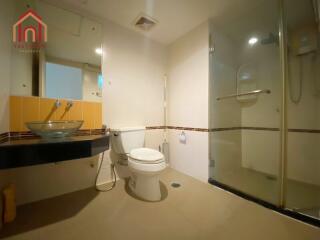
(30, 110)
(76, 111)
(47, 109)
(26, 109)
(16, 113)
(88, 113)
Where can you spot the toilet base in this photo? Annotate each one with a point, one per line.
(146, 187)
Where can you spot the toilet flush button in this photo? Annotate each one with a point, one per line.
(183, 138)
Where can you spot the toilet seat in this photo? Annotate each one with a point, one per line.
(146, 161)
(146, 156)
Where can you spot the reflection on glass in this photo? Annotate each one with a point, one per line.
(303, 170)
(244, 144)
(63, 81)
(73, 45)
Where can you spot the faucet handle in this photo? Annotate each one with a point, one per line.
(69, 104)
(57, 104)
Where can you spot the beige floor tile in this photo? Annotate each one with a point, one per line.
(194, 211)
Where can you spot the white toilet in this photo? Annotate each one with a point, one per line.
(145, 164)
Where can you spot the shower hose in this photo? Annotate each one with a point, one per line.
(114, 182)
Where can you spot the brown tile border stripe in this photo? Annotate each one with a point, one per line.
(224, 129)
(178, 128)
(260, 128)
(28, 135)
(188, 129)
(210, 130)
(4, 137)
(265, 129)
(304, 130)
(244, 128)
(155, 127)
(23, 135)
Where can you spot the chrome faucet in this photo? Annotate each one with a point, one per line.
(69, 105)
(57, 104)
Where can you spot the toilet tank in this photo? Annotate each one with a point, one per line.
(125, 139)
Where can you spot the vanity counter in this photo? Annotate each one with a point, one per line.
(26, 152)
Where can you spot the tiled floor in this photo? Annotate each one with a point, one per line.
(300, 196)
(194, 211)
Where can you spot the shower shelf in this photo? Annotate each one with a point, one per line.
(266, 91)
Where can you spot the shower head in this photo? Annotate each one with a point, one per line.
(272, 38)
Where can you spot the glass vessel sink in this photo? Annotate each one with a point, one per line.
(54, 129)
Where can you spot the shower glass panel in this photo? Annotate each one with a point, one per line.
(303, 104)
(245, 100)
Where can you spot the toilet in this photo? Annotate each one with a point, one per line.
(145, 164)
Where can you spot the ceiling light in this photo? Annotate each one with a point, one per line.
(98, 51)
(252, 41)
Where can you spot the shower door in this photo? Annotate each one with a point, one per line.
(245, 101)
(303, 103)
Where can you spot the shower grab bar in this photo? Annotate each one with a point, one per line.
(266, 91)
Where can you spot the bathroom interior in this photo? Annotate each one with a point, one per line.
(160, 119)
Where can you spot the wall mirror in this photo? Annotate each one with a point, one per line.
(69, 65)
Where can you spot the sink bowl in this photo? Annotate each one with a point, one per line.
(54, 129)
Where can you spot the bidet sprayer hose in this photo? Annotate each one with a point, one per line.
(113, 173)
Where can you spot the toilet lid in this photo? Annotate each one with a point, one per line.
(146, 155)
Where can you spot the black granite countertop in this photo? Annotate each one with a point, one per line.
(33, 151)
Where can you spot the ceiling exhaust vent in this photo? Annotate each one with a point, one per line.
(145, 22)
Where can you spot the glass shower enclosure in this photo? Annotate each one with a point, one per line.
(265, 104)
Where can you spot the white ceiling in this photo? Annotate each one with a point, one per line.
(68, 33)
(175, 17)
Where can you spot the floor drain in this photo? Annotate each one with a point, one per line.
(175, 185)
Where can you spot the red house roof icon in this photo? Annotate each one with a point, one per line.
(38, 33)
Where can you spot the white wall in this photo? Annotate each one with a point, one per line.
(68, 32)
(90, 88)
(188, 84)
(21, 73)
(261, 149)
(6, 19)
(303, 150)
(133, 70)
(223, 69)
(304, 157)
(225, 146)
(21, 62)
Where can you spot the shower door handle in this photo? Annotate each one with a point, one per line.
(266, 91)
